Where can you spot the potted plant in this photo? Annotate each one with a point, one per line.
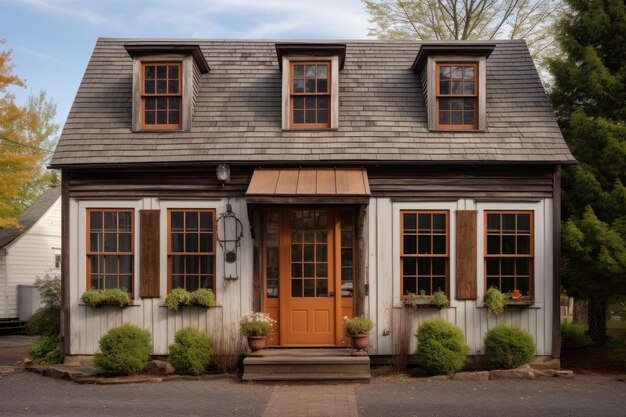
(439, 300)
(107, 297)
(358, 329)
(256, 327)
(495, 301)
(181, 297)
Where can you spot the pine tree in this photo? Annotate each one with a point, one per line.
(589, 96)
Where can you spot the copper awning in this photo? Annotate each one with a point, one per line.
(309, 185)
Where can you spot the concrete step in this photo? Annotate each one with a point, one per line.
(306, 364)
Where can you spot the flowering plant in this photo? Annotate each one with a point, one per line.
(256, 324)
(357, 325)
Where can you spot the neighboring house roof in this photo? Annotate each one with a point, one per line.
(382, 114)
(30, 216)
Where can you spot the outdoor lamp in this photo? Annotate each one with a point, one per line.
(223, 173)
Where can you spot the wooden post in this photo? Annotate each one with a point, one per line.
(65, 262)
(556, 263)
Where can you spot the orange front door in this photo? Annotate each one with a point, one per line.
(307, 284)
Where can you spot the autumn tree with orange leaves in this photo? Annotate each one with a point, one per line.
(26, 139)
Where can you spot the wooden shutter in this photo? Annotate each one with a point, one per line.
(466, 252)
(149, 248)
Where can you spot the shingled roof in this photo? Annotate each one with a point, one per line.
(382, 114)
(30, 216)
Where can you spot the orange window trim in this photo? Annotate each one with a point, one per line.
(445, 255)
(90, 253)
(530, 255)
(450, 95)
(170, 253)
(293, 94)
(144, 95)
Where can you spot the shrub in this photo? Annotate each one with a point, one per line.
(191, 351)
(124, 350)
(203, 297)
(46, 349)
(178, 297)
(441, 347)
(508, 346)
(357, 325)
(46, 322)
(256, 324)
(573, 336)
(495, 301)
(114, 296)
(440, 299)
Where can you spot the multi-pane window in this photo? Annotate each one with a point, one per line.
(309, 253)
(310, 94)
(509, 251)
(191, 249)
(110, 248)
(457, 96)
(161, 95)
(347, 253)
(424, 253)
(271, 253)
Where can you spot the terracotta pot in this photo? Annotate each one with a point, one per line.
(517, 294)
(256, 342)
(360, 341)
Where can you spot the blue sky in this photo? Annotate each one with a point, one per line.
(53, 39)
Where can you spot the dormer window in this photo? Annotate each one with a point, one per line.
(310, 94)
(453, 76)
(161, 95)
(310, 84)
(166, 79)
(457, 96)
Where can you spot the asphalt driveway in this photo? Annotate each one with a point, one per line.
(28, 394)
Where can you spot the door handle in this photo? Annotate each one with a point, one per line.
(331, 294)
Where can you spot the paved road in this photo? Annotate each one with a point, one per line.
(13, 348)
(27, 394)
(584, 395)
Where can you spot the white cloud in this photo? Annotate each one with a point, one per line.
(40, 55)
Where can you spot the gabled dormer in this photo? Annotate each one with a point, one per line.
(166, 77)
(453, 78)
(310, 84)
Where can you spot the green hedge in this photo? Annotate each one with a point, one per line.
(441, 347)
(508, 346)
(124, 350)
(191, 351)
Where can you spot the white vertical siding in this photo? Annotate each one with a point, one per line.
(88, 325)
(471, 316)
(31, 255)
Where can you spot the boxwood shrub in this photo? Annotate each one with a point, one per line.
(508, 347)
(124, 350)
(441, 347)
(191, 351)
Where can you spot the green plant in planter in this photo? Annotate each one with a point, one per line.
(440, 299)
(178, 297)
(508, 346)
(191, 351)
(358, 325)
(114, 296)
(495, 301)
(203, 297)
(256, 324)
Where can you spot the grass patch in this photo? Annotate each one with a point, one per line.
(616, 324)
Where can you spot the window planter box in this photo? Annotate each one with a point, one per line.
(109, 305)
(420, 302)
(520, 302)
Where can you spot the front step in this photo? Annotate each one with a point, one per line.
(306, 365)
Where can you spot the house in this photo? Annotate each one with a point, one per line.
(310, 180)
(31, 251)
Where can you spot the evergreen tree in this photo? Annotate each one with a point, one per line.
(589, 96)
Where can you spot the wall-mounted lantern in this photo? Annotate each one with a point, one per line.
(223, 173)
